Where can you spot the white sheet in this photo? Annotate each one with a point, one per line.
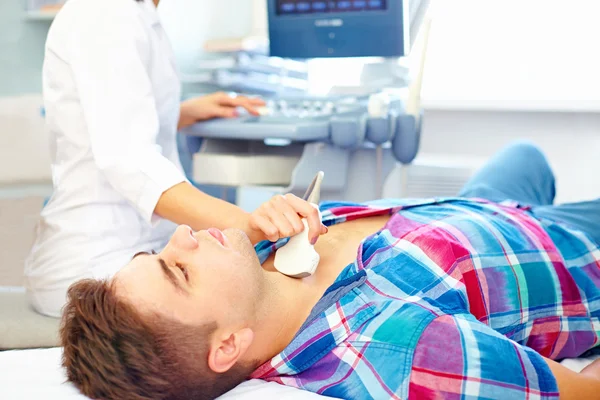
(36, 374)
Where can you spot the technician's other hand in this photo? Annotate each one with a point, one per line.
(281, 217)
(216, 105)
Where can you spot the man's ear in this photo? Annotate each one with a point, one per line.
(225, 351)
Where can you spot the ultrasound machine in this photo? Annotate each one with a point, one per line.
(357, 139)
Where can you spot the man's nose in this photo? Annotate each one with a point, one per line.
(183, 239)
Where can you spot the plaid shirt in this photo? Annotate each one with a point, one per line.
(453, 298)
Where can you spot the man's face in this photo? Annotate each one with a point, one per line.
(198, 278)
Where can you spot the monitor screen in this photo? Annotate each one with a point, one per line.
(339, 28)
(292, 7)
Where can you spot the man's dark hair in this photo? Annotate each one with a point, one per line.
(112, 351)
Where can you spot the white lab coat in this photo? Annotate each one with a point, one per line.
(112, 96)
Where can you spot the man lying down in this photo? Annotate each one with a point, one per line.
(470, 297)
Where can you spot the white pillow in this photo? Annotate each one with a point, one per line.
(36, 374)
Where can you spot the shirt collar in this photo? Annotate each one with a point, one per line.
(339, 312)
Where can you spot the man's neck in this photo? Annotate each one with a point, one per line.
(286, 304)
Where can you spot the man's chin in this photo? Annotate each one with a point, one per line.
(240, 240)
(236, 234)
(236, 231)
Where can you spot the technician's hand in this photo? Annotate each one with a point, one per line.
(281, 217)
(216, 105)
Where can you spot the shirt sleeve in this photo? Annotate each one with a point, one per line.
(460, 357)
(109, 59)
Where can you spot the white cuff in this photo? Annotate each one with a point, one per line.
(161, 175)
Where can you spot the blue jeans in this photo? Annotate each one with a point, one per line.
(521, 172)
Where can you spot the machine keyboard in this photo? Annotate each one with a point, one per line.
(346, 123)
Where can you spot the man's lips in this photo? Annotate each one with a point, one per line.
(217, 234)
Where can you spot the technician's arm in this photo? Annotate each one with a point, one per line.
(277, 218)
(184, 204)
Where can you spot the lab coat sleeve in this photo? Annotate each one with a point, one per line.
(109, 60)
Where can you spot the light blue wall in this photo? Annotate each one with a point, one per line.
(21, 50)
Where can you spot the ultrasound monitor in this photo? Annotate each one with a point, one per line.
(305, 29)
